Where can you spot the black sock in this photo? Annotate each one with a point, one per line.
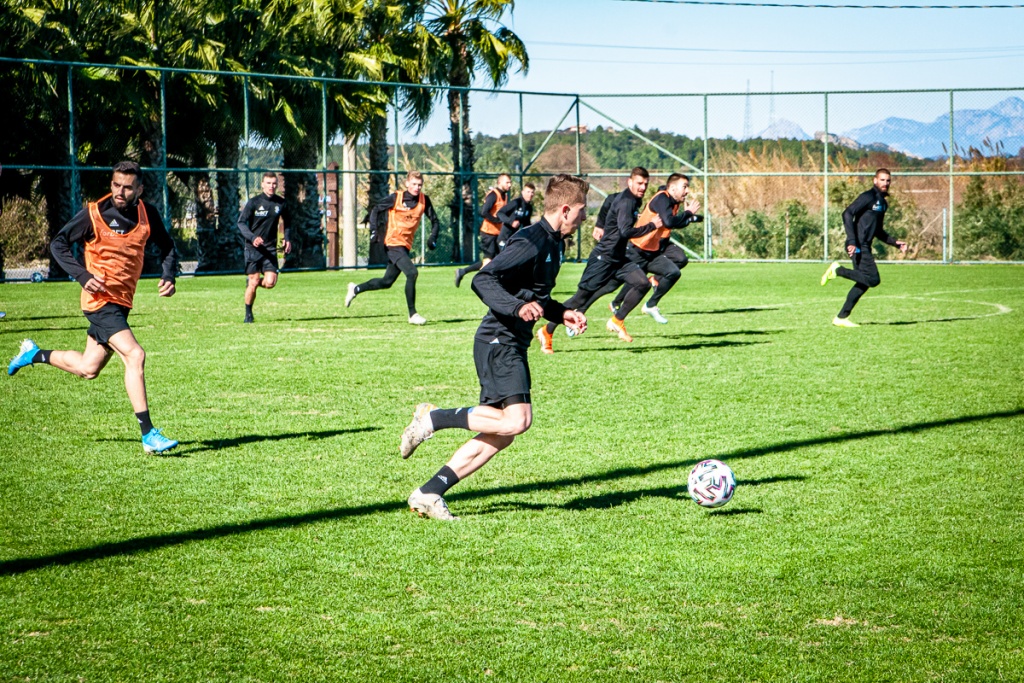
(144, 422)
(248, 309)
(441, 482)
(42, 356)
(450, 418)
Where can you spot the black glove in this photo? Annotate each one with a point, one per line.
(432, 245)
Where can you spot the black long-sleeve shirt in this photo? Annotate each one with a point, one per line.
(516, 210)
(663, 204)
(524, 271)
(602, 213)
(379, 215)
(259, 218)
(79, 230)
(620, 227)
(864, 218)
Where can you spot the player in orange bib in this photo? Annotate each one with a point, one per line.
(395, 222)
(490, 226)
(655, 252)
(114, 232)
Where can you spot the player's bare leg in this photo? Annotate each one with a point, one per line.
(87, 364)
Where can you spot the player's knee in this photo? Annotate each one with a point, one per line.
(269, 283)
(89, 373)
(412, 275)
(518, 424)
(136, 357)
(673, 276)
(683, 262)
(874, 281)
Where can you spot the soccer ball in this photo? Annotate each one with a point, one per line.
(711, 483)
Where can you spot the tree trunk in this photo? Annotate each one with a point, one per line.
(154, 155)
(302, 201)
(468, 181)
(379, 186)
(454, 119)
(462, 155)
(60, 208)
(206, 221)
(226, 244)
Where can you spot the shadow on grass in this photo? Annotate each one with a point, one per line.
(664, 347)
(26, 330)
(156, 541)
(340, 316)
(737, 333)
(924, 322)
(187, 447)
(750, 309)
(616, 499)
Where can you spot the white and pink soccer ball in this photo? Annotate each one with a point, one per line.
(711, 483)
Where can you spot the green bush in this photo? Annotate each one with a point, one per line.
(762, 234)
(990, 220)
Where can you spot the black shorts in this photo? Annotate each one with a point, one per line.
(504, 374)
(260, 261)
(600, 271)
(488, 245)
(107, 321)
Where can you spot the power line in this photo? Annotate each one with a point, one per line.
(719, 3)
(816, 63)
(1002, 48)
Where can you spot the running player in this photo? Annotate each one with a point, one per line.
(863, 221)
(518, 213)
(394, 221)
(490, 226)
(516, 286)
(113, 232)
(607, 262)
(655, 253)
(258, 225)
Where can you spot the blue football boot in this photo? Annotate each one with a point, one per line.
(155, 442)
(24, 357)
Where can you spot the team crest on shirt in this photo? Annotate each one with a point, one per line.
(277, 209)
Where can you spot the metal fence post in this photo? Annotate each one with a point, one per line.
(825, 229)
(707, 207)
(323, 128)
(952, 148)
(396, 138)
(245, 131)
(163, 145)
(579, 170)
(72, 152)
(522, 150)
(944, 235)
(323, 165)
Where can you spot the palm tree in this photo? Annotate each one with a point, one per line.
(312, 38)
(394, 36)
(469, 45)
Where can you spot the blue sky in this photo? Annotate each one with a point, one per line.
(612, 46)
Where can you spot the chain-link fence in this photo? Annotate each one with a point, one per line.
(773, 171)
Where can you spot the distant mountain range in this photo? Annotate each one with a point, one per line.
(1003, 122)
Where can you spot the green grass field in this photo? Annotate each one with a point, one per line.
(876, 533)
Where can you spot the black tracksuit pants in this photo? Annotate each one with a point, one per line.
(864, 275)
(666, 267)
(398, 262)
